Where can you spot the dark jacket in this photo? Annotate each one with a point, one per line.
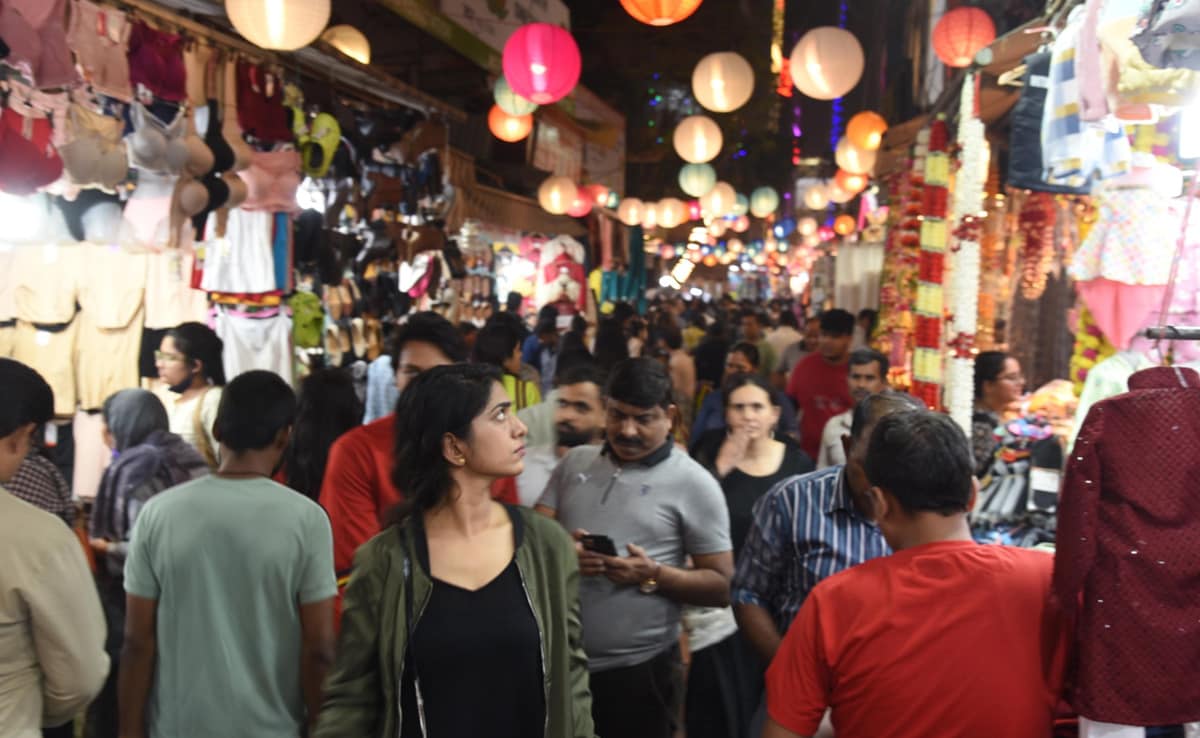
(362, 693)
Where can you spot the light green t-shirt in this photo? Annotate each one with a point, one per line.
(229, 561)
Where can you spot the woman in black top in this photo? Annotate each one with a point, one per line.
(746, 457)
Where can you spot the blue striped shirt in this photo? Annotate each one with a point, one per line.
(805, 529)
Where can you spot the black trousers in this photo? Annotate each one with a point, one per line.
(640, 701)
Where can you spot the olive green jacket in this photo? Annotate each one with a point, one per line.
(362, 693)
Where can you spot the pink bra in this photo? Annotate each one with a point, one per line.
(35, 31)
(98, 36)
(272, 181)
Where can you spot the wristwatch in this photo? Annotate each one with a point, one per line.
(650, 586)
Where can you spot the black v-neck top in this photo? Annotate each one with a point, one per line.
(479, 662)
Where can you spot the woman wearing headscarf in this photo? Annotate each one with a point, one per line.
(147, 459)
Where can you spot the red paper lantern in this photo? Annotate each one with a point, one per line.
(660, 12)
(960, 34)
(598, 194)
(541, 63)
(507, 127)
(581, 204)
(852, 183)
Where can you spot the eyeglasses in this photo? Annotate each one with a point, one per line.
(1019, 378)
(164, 356)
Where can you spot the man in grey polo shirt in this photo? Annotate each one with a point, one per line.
(659, 507)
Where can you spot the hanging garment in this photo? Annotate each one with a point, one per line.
(1128, 557)
(110, 322)
(272, 181)
(1093, 105)
(170, 299)
(260, 104)
(28, 159)
(99, 37)
(1107, 379)
(94, 155)
(256, 343)
(1170, 36)
(35, 31)
(1025, 166)
(242, 261)
(46, 289)
(156, 62)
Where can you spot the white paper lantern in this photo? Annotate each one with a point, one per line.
(671, 212)
(816, 198)
(509, 101)
(698, 139)
(650, 216)
(556, 194)
(741, 205)
(853, 159)
(350, 41)
(763, 202)
(697, 179)
(827, 63)
(718, 228)
(283, 25)
(720, 200)
(723, 82)
(807, 226)
(630, 211)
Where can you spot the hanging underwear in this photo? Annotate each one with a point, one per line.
(272, 181)
(99, 37)
(156, 62)
(95, 155)
(36, 34)
(260, 104)
(28, 160)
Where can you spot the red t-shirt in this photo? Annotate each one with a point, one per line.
(945, 639)
(821, 390)
(357, 490)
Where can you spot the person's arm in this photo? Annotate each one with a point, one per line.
(760, 570)
(348, 496)
(707, 585)
(317, 650)
(67, 627)
(137, 664)
(800, 679)
(774, 730)
(581, 693)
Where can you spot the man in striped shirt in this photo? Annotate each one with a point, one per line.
(806, 529)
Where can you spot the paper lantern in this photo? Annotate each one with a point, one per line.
(668, 252)
(556, 194)
(630, 210)
(850, 182)
(825, 233)
(723, 82)
(613, 200)
(783, 229)
(509, 101)
(807, 226)
(581, 204)
(508, 127)
(284, 25)
(960, 34)
(853, 159)
(839, 194)
(718, 228)
(711, 260)
(697, 179)
(720, 199)
(816, 198)
(741, 224)
(698, 139)
(660, 12)
(844, 225)
(650, 216)
(865, 130)
(826, 63)
(763, 202)
(671, 212)
(741, 205)
(541, 62)
(350, 41)
(597, 193)
(694, 209)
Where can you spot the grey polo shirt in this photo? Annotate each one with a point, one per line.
(671, 506)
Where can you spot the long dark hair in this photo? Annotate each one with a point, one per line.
(328, 407)
(445, 399)
(989, 365)
(198, 342)
(736, 381)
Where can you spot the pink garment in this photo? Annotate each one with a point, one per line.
(272, 181)
(1093, 105)
(1120, 309)
(36, 33)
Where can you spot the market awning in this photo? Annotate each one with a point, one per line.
(495, 207)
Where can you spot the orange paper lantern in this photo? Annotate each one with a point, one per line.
(960, 34)
(866, 130)
(660, 12)
(853, 183)
(507, 127)
(844, 225)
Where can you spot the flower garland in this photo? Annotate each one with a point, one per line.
(966, 256)
(1091, 348)
(927, 357)
(1036, 226)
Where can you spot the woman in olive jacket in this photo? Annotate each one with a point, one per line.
(462, 617)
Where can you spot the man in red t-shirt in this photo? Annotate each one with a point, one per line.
(357, 490)
(820, 382)
(945, 637)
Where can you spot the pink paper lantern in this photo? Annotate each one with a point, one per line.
(541, 63)
(581, 205)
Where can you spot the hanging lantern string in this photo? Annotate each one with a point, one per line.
(1169, 295)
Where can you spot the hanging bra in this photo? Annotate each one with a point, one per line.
(36, 34)
(223, 156)
(28, 160)
(166, 147)
(99, 37)
(242, 153)
(156, 62)
(272, 181)
(260, 104)
(95, 155)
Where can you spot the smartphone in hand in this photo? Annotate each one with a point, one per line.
(599, 544)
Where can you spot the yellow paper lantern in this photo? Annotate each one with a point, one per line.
(844, 225)
(671, 212)
(283, 25)
(816, 198)
(660, 12)
(853, 159)
(723, 82)
(807, 226)
(865, 130)
(698, 139)
(718, 227)
(735, 246)
(741, 224)
(720, 200)
(557, 194)
(827, 63)
(650, 216)
(350, 41)
(838, 194)
(507, 127)
(630, 211)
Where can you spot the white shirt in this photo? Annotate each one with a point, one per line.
(782, 337)
(832, 453)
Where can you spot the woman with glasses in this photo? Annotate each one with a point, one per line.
(998, 386)
(190, 364)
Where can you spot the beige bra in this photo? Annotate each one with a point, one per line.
(95, 155)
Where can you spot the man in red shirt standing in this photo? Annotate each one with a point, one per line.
(943, 637)
(820, 382)
(357, 490)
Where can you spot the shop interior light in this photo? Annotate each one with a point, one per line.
(283, 25)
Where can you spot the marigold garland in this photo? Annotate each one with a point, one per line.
(927, 356)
